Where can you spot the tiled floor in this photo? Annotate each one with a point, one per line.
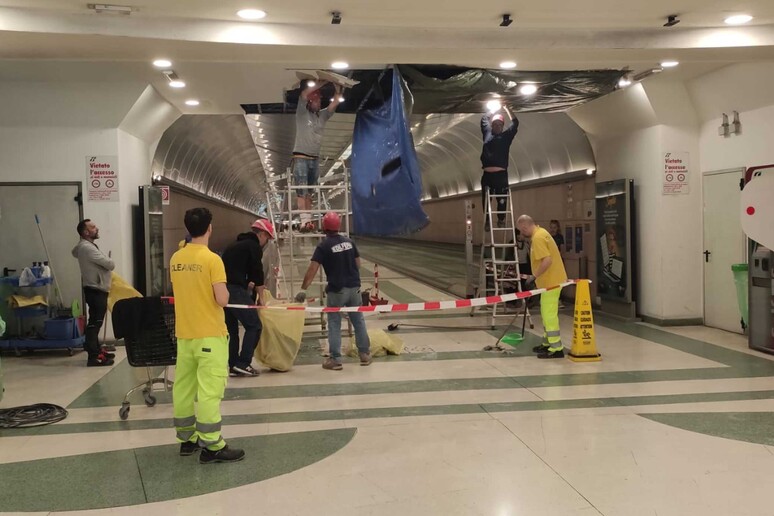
(672, 422)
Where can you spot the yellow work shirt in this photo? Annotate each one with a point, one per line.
(194, 270)
(543, 245)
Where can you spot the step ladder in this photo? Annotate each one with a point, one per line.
(496, 273)
(273, 204)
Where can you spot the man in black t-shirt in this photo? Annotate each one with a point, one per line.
(494, 161)
(339, 258)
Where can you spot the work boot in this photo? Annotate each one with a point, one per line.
(365, 359)
(188, 448)
(559, 353)
(332, 365)
(540, 348)
(486, 224)
(225, 454)
(501, 223)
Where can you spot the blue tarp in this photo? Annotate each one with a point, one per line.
(386, 182)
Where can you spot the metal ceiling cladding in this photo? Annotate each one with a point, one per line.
(386, 182)
(213, 155)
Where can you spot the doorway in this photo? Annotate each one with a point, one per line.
(724, 245)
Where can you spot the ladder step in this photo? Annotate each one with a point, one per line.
(499, 212)
(503, 262)
(498, 196)
(499, 246)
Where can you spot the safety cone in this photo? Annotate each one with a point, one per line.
(584, 344)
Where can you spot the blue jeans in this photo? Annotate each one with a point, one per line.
(305, 172)
(346, 297)
(249, 319)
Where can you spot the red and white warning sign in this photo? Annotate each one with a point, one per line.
(102, 173)
(164, 195)
(675, 173)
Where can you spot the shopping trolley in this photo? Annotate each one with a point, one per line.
(147, 325)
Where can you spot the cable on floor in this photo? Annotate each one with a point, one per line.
(39, 414)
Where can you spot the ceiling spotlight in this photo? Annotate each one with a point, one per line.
(335, 18)
(624, 82)
(191, 102)
(251, 14)
(162, 63)
(669, 64)
(339, 65)
(341, 99)
(507, 65)
(672, 20)
(590, 171)
(506, 20)
(177, 84)
(738, 19)
(110, 9)
(528, 89)
(311, 84)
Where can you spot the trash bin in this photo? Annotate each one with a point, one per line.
(740, 279)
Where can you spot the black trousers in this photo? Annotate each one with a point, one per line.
(497, 182)
(97, 303)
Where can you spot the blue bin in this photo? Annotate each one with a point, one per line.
(61, 328)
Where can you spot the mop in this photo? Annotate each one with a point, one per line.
(57, 290)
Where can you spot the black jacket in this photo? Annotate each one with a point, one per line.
(497, 147)
(242, 260)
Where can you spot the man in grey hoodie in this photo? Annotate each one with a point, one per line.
(95, 275)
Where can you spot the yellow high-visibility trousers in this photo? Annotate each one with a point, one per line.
(549, 311)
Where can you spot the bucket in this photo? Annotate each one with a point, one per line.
(740, 280)
(512, 339)
(61, 328)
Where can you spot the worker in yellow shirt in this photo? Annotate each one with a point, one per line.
(199, 284)
(547, 271)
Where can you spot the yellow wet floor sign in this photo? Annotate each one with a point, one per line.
(584, 345)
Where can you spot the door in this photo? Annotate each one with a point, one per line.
(724, 245)
(20, 241)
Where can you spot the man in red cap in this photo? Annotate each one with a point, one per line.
(245, 284)
(494, 160)
(310, 123)
(340, 259)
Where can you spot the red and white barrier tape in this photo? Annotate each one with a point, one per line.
(417, 307)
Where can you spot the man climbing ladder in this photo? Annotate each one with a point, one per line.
(494, 160)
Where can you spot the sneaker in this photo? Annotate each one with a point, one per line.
(232, 373)
(99, 361)
(188, 448)
(106, 355)
(540, 348)
(365, 359)
(225, 454)
(559, 353)
(108, 347)
(245, 371)
(500, 223)
(332, 365)
(486, 225)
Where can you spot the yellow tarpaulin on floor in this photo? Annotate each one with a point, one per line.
(382, 343)
(119, 290)
(24, 301)
(281, 335)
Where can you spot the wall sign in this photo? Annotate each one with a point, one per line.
(164, 195)
(102, 178)
(676, 173)
(614, 248)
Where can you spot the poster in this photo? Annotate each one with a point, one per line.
(588, 209)
(613, 235)
(165, 195)
(102, 178)
(676, 173)
(578, 239)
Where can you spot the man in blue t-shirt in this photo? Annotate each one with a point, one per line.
(339, 258)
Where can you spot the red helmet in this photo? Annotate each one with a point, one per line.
(498, 118)
(264, 225)
(331, 221)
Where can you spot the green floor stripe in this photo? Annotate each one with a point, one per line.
(392, 412)
(751, 427)
(156, 473)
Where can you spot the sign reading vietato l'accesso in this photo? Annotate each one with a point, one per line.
(102, 178)
(675, 173)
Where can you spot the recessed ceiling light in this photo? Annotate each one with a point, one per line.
(624, 82)
(162, 63)
(493, 106)
(191, 102)
(177, 84)
(251, 14)
(507, 65)
(669, 64)
(738, 19)
(590, 171)
(528, 89)
(339, 65)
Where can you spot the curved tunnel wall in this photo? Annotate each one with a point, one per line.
(214, 155)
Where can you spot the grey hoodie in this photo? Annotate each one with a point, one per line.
(95, 266)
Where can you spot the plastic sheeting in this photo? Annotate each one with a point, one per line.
(281, 335)
(444, 89)
(382, 343)
(386, 181)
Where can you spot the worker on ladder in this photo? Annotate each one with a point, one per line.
(494, 159)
